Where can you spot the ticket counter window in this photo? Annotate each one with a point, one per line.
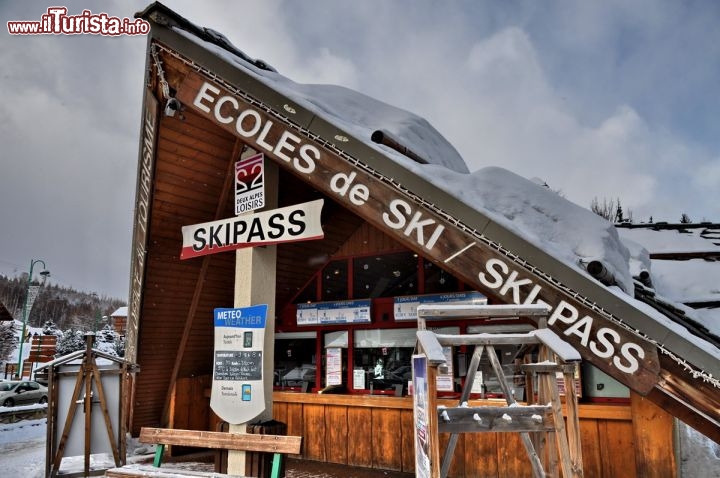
(295, 363)
(381, 360)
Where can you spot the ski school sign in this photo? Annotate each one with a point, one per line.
(300, 222)
(606, 344)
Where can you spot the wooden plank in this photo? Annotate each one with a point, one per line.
(336, 432)
(407, 425)
(590, 441)
(465, 311)
(295, 421)
(533, 418)
(482, 454)
(147, 471)
(618, 437)
(431, 347)
(488, 339)
(386, 448)
(457, 464)
(513, 462)
(360, 437)
(221, 440)
(314, 432)
(653, 435)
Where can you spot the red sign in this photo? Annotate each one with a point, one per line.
(249, 184)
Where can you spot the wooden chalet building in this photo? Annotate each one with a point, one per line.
(392, 238)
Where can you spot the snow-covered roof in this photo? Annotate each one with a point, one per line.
(569, 233)
(120, 312)
(682, 262)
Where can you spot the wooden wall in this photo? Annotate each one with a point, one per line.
(634, 440)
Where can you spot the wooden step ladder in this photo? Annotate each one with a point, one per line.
(543, 432)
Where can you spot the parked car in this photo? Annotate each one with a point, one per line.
(298, 375)
(25, 392)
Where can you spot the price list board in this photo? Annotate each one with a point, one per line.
(238, 365)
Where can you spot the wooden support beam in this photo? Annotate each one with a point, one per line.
(529, 418)
(469, 311)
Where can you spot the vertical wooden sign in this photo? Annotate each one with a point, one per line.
(238, 393)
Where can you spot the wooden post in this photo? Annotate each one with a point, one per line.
(255, 284)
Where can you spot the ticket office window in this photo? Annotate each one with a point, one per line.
(294, 361)
(335, 362)
(382, 360)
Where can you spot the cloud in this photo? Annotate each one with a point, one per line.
(607, 99)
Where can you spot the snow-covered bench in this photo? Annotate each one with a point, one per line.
(278, 445)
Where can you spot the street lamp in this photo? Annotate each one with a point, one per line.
(26, 306)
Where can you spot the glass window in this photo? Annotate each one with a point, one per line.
(437, 280)
(381, 359)
(294, 361)
(385, 275)
(335, 281)
(309, 293)
(486, 382)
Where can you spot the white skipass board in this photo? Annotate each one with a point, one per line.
(238, 394)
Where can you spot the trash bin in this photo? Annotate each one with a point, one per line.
(260, 464)
(257, 464)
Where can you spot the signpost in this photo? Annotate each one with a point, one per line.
(238, 393)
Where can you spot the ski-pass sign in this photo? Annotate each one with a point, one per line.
(250, 184)
(300, 222)
(238, 393)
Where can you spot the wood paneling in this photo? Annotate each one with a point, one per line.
(616, 449)
(314, 432)
(407, 428)
(481, 457)
(386, 441)
(589, 442)
(653, 435)
(359, 438)
(336, 432)
(380, 433)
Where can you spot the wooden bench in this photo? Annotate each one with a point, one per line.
(276, 444)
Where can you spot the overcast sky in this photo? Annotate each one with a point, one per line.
(606, 99)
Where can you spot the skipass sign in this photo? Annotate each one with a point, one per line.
(238, 393)
(300, 222)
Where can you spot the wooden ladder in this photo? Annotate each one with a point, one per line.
(541, 426)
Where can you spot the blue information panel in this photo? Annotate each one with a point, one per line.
(338, 312)
(238, 392)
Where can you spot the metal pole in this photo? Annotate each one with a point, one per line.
(25, 315)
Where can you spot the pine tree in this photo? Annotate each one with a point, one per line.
(50, 328)
(8, 340)
(685, 219)
(71, 341)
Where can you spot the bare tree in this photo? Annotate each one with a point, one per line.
(610, 209)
